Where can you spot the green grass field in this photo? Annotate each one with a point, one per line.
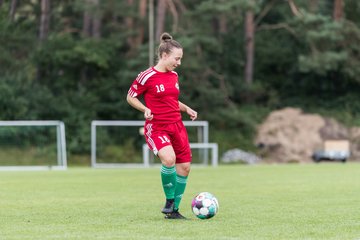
(256, 202)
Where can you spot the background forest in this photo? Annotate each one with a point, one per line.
(75, 60)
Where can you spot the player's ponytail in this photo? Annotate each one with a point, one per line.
(167, 43)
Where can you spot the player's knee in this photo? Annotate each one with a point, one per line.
(168, 161)
(187, 168)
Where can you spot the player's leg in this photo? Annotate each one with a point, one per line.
(159, 142)
(168, 176)
(183, 161)
(181, 148)
(182, 170)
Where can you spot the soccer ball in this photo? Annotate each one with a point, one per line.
(205, 205)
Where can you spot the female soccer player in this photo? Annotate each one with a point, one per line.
(165, 132)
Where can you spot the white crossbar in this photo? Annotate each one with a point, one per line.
(213, 146)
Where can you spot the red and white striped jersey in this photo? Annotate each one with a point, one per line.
(161, 94)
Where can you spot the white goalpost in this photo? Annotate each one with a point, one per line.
(202, 143)
(20, 140)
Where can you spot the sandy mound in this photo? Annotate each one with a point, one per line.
(289, 135)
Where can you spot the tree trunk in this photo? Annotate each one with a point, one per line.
(294, 8)
(313, 5)
(96, 20)
(135, 40)
(142, 14)
(160, 18)
(129, 22)
(174, 13)
(86, 30)
(1, 2)
(12, 12)
(44, 20)
(222, 24)
(249, 46)
(96, 28)
(151, 34)
(92, 19)
(338, 10)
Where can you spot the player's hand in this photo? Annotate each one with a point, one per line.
(147, 114)
(191, 113)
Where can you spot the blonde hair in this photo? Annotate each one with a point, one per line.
(167, 43)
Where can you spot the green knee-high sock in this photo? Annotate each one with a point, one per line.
(179, 190)
(168, 178)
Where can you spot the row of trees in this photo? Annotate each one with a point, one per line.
(74, 60)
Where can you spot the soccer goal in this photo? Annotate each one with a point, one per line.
(121, 144)
(32, 145)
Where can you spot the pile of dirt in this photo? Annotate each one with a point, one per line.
(289, 135)
(355, 142)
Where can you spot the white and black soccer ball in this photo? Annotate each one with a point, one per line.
(205, 205)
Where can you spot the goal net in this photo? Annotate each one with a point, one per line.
(32, 145)
(121, 143)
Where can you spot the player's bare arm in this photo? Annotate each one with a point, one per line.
(135, 103)
(188, 110)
